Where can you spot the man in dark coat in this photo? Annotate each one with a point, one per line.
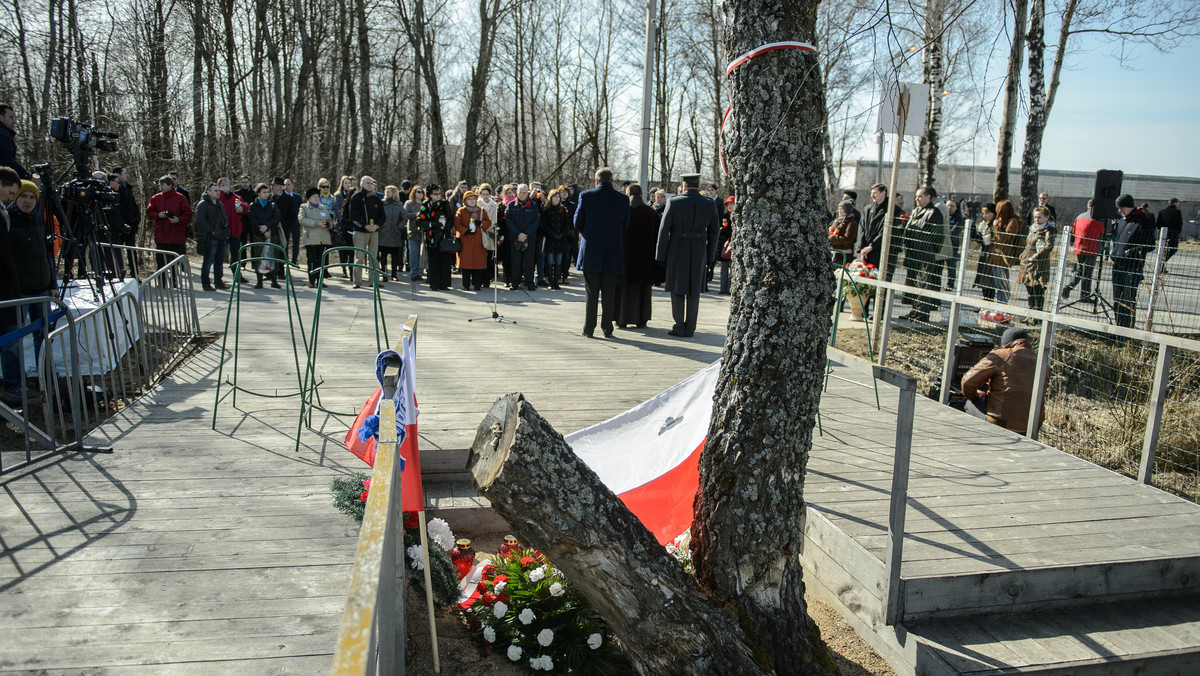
(641, 270)
(925, 233)
(1134, 238)
(601, 220)
(8, 142)
(1171, 219)
(687, 243)
(522, 219)
(289, 216)
(869, 246)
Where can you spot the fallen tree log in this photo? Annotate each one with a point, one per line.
(552, 500)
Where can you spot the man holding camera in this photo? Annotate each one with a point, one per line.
(170, 213)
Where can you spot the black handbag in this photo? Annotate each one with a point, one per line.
(450, 245)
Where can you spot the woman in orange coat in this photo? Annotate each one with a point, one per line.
(470, 222)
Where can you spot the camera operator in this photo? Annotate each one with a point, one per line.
(171, 213)
(8, 142)
(131, 214)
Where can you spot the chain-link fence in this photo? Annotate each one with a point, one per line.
(1100, 401)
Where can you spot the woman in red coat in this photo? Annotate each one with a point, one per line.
(470, 222)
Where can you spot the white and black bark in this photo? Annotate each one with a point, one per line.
(1012, 93)
(1035, 124)
(933, 73)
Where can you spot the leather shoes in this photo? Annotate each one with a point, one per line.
(588, 334)
(608, 333)
(673, 332)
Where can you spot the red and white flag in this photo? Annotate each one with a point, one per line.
(412, 492)
(650, 455)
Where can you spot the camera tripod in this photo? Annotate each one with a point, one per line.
(1098, 302)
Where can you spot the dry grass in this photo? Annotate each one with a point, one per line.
(1097, 401)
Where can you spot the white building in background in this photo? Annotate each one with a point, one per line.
(1069, 190)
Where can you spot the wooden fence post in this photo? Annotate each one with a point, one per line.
(1158, 398)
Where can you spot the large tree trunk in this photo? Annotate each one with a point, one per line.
(1035, 126)
(234, 142)
(1012, 93)
(555, 502)
(198, 22)
(747, 535)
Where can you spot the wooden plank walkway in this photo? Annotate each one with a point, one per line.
(190, 550)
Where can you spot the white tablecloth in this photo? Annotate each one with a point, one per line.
(117, 325)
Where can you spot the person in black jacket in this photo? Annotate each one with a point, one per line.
(687, 243)
(1133, 240)
(435, 218)
(366, 213)
(869, 246)
(8, 142)
(10, 288)
(131, 215)
(1171, 219)
(289, 216)
(635, 286)
(263, 218)
(35, 271)
(521, 219)
(556, 229)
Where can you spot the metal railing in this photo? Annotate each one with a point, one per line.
(99, 358)
(1123, 397)
(373, 632)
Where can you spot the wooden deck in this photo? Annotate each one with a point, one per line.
(191, 550)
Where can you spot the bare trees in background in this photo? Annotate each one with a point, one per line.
(511, 89)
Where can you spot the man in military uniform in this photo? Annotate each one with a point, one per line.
(687, 243)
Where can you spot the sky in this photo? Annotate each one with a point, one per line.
(1141, 119)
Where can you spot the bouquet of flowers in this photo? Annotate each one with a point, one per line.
(527, 610)
(859, 269)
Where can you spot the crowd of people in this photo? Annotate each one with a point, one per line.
(926, 242)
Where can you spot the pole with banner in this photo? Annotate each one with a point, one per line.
(901, 112)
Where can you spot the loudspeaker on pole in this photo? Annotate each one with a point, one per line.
(1104, 196)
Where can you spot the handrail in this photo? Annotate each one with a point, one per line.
(373, 631)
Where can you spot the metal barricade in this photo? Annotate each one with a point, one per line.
(95, 361)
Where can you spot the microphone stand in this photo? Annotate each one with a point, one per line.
(499, 318)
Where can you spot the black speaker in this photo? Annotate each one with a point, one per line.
(1104, 196)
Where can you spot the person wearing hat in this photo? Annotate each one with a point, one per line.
(1133, 239)
(470, 222)
(34, 274)
(687, 243)
(170, 212)
(1005, 377)
(315, 221)
(289, 212)
(636, 286)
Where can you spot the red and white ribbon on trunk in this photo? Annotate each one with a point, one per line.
(762, 49)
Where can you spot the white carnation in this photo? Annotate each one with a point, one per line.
(499, 586)
(546, 637)
(514, 652)
(500, 609)
(526, 616)
(414, 555)
(439, 531)
(594, 641)
(489, 634)
(556, 589)
(537, 574)
(543, 662)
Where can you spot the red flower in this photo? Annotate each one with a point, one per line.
(488, 598)
(502, 598)
(482, 586)
(366, 484)
(411, 520)
(870, 266)
(488, 571)
(526, 560)
(500, 578)
(862, 274)
(363, 497)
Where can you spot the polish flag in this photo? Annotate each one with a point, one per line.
(650, 455)
(412, 492)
